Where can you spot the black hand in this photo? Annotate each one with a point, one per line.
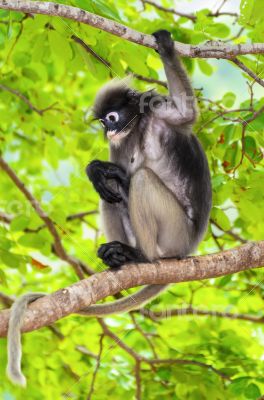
(113, 171)
(100, 172)
(115, 254)
(164, 42)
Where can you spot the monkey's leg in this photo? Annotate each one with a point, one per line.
(118, 230)
(159, 222)
(112, 223)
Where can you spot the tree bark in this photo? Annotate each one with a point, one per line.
(218, 50)
(70, 300)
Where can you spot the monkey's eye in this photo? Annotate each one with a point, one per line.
(102, 122)
(112, 116)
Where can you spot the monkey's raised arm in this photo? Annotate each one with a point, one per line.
(180, 88)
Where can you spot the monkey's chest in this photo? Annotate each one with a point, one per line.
(135, 160)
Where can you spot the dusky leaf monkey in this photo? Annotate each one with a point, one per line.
(155, 190)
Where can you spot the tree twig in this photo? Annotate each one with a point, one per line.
(150, 80)
(96, 367)
(192, 17)
(155, 361)
(138, 380)
(90, 50)
(248, 71)
(229, 232)
(208, 50)
(25, 99)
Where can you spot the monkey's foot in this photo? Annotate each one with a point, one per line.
(115, 254)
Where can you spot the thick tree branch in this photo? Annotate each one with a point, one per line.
(220, 50)
(82, 294)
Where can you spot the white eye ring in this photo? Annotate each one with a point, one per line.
(112, 117)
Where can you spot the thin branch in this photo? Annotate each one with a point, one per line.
(172, 361)
(244, 124)
(7, 218)
(81, 215)
(108, 64)
(248, 71)
(96, 367)
(152, 362)
(150, 80)
(208, 50)
(83, 293)
(192, 17)
(138, 380)
(59, 249)
(238, 34)
(90, 50)
(85, 351)
(25, 99)
(229, 232)
(144, 334)
(118, 341)
(181, 312)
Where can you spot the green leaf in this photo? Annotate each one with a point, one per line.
(228, 99)
(33, 240)
(218, 30)
(224, 281)
(252, 392)
(19, 223)
(99, 7)
(60, 46)
(220, 218)
(205, 67)
(10, 259)
(232, 156)
(251, 149)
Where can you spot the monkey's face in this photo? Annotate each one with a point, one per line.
(118, 123)
(117, 108)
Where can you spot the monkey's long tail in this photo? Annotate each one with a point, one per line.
(131, 302)
(14, 351)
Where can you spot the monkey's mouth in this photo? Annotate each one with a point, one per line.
(111, 134)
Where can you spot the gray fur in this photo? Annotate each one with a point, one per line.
(14, 351)
(168, 210)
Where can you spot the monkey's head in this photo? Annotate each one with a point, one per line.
(117, 108)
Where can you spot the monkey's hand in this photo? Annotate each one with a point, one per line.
(101, 174)
(164, 42)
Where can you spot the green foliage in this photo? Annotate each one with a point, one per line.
(47, 136)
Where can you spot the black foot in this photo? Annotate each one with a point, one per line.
(115, 254)
(164, 42)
